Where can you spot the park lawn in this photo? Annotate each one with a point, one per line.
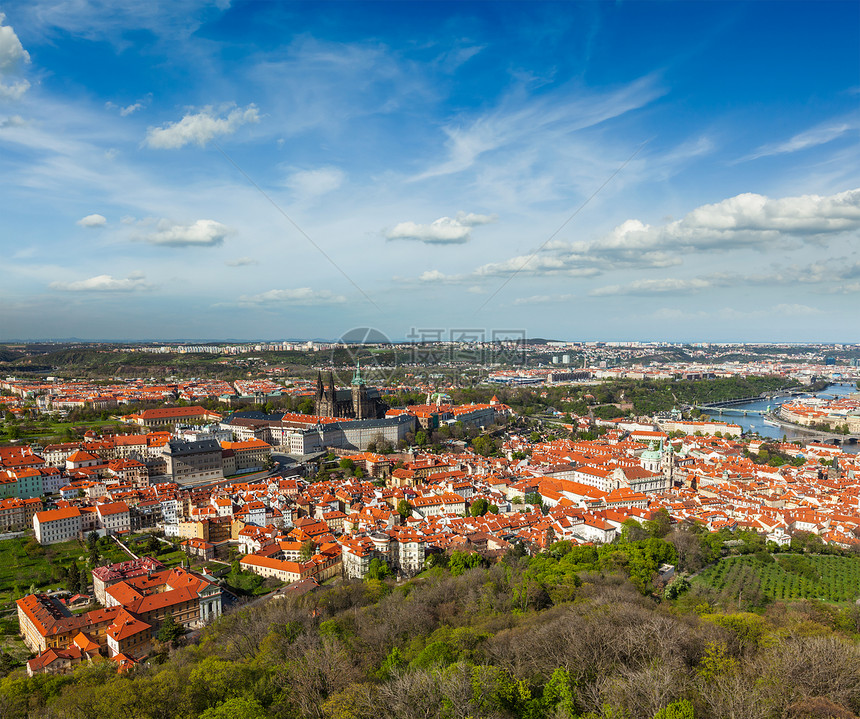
(113, 555)
(172, 559)
(58, 429)
(11, 642)
(23, 565)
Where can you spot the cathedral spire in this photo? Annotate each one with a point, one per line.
(356, 377)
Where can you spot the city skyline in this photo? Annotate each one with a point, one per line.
(590, 171)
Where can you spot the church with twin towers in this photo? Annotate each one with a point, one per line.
(356, 402)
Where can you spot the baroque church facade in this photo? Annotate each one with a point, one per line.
(357, 402)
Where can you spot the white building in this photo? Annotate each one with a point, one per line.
(57, 525)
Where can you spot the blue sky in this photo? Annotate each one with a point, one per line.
(270, 170)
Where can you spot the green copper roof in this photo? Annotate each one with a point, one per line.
(356, 377)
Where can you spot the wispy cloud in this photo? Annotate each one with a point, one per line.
(301, 296)
(519, 119)
(241, 262)
(12, 121)
(818, 135)
(648, 287)
(544, 299)
(110, 21)
(308, 184)
(829, 276)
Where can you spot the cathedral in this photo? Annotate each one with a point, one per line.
(357, 402)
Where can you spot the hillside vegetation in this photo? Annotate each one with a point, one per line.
(563, 634)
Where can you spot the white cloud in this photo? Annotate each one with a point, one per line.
(313, 183)
(15, 91)
(12, 55)
(129, 109)
(202, 233)
(747, 220)
(302, 296)
(92, 221)
(105, 283)
(432, 276)
(566, 264)
(444, 231)
(200, 128)
(241, 262)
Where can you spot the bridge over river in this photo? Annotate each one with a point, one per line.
(730, 406)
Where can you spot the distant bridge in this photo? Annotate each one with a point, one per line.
(828, 437)
(711, 410)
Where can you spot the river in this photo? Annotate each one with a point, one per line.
(755, 422)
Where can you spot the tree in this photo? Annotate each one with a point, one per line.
(484, 445)
(421, 438)
(378, 569)
(459, 562)
(660, 525)
(74, 579)
(307, 550)
(404, 509)
(533, 498)
(169, 631)
(236, 707)
(347, 464)
(681, 709)
(479, 507)
(631, 530)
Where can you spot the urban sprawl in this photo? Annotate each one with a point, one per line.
(357, 484)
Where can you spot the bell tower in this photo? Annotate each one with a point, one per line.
(360, 404)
